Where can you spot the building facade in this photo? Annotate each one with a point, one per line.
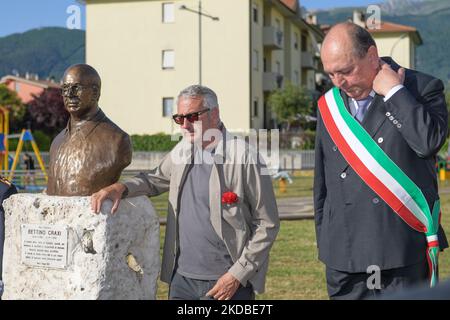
(394, 40)
(28, 86)
(147, 51)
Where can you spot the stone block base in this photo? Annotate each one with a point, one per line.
(108, 256)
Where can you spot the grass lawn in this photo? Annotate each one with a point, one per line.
(294, 271)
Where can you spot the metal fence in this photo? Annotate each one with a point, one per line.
(288, 160)
(297, 160)
(34, 180)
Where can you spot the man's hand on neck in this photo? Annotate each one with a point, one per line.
(386, 79)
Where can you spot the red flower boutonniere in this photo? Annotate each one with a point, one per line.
(229, 197)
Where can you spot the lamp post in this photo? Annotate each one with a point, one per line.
(200, 14)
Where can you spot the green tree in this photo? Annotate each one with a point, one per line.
(47, 112)
(12, 102)
(291, 104)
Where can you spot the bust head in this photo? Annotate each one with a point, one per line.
(81, 90)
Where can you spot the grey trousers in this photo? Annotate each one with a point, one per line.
(182, 288)
(353, 286)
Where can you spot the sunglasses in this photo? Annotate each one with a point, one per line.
(191, 117)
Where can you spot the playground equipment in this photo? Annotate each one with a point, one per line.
(4, 130)
(26, 136)
(283, 178)
(4, 145)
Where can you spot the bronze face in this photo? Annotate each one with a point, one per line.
(92, 151)
(80, 90)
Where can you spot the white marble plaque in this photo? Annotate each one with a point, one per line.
(44, 245)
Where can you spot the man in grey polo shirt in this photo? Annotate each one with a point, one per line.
(203, 255)
(222, 216)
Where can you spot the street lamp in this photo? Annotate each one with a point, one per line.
(200, 14)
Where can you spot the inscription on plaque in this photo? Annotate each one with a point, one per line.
(44, 245)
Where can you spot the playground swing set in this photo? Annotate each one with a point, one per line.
(24, 137)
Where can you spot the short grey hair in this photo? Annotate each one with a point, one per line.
(208, 95)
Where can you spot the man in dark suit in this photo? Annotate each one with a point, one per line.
(404, 112)
(6, 189)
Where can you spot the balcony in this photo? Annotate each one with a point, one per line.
(272, 38)
(307, 61)
(272, 81)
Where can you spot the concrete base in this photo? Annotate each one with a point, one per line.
(108, 256)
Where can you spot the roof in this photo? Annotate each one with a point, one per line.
(39, 83)
(389, 27)
(316, 29)
(393, 27)
(290, 4)
(325, 28)
(386, 27)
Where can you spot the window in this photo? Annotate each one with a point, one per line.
(168, 60)
(16, 86)
(278, 24)
(279, 32)
(296, 77)
(304, 43)
(255, 60)
(168, 12)
(278, 67)
(255, 107)
(295, 41)
(255, 13)
(167, 107)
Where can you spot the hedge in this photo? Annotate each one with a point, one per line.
(42, 140)
(154, 142)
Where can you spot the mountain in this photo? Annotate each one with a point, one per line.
(397, 7)
(430, 17)
(45, 51)
(413, 7)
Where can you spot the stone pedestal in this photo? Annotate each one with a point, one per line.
(107, 256)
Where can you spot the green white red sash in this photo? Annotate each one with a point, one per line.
(381, 174)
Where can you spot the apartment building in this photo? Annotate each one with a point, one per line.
(146, 51)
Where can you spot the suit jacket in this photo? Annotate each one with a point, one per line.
(248, 227)
(355, 228)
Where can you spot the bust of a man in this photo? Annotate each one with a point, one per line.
(91, 152)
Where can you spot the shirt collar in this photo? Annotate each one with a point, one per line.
(371, 94)
(87, 126)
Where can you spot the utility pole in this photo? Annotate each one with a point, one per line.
(200, 15)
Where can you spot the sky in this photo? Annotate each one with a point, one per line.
(22, 15)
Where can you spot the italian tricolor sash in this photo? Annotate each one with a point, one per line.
(381, 174)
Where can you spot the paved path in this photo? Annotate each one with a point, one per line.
(302, 208)
(295, 208)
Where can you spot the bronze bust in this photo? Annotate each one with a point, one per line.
(91, 152)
